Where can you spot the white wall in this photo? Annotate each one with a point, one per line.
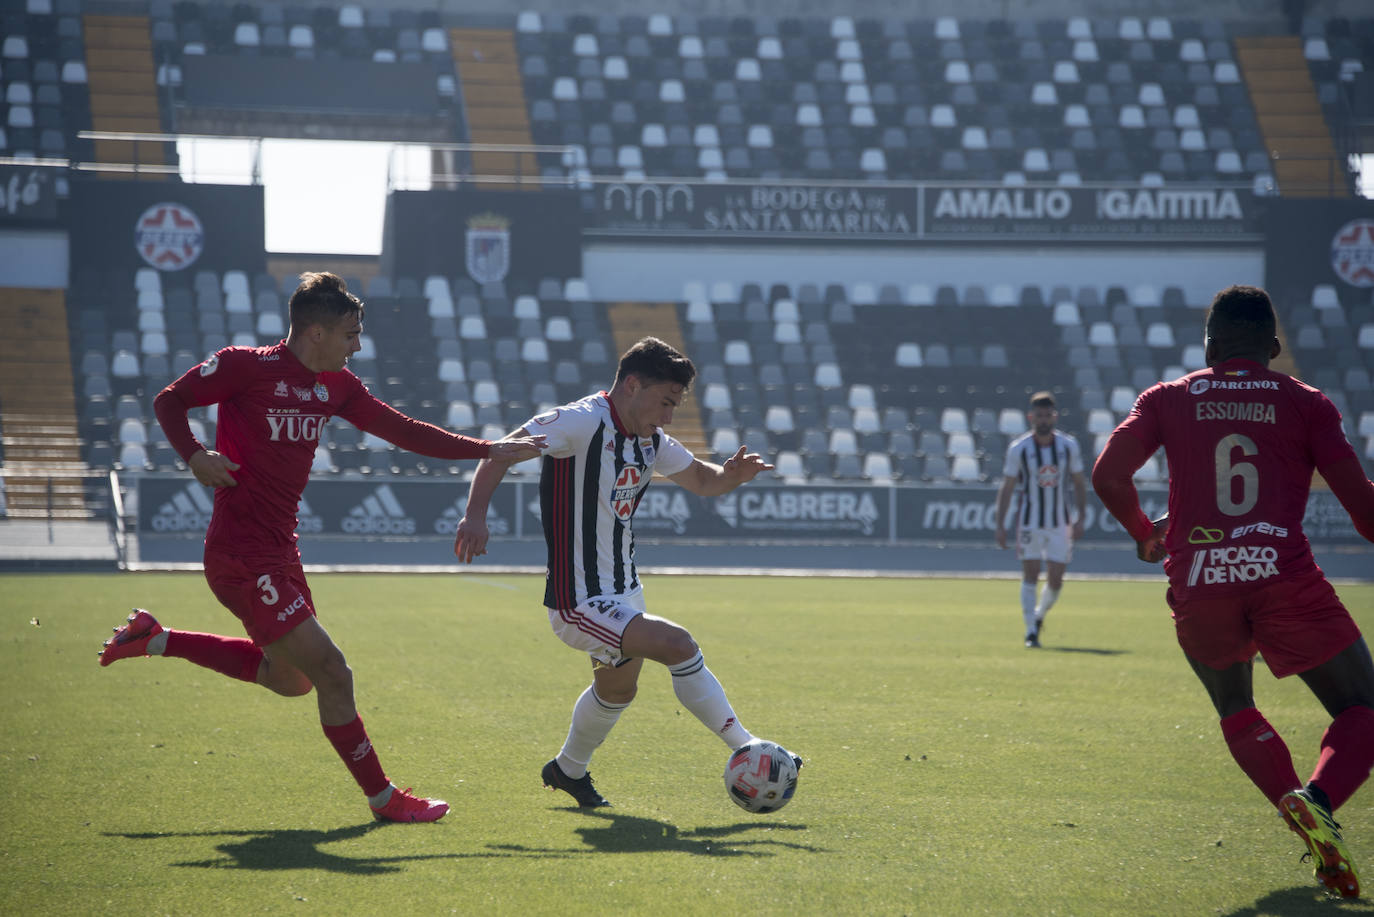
(33, 258)
(658, 272)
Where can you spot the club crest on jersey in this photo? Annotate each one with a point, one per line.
(626, 488)
(210, 365)
(280, 390)
(647, 447)
(321, 392)
(1047, 476)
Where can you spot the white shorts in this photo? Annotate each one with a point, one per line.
(596, 625)
(1054, 545)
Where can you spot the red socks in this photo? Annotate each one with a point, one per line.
(351, 742)
(236, 657)
(1347, 754)
(1261, 753)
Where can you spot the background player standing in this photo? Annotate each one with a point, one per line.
(1037, 464)
(602, 453)
(1242, 442)
(273, 403)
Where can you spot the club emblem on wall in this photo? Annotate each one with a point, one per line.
(1352, 253)
(488, 247)
(169, 236)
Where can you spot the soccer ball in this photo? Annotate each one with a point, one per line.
(761, 776)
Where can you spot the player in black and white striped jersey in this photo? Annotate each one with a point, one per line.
(602, 453)
(1040, 464)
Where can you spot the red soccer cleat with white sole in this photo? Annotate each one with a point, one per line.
(403, 806)
(131, 639)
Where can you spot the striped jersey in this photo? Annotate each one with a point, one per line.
(1042, 474)
(594, 475)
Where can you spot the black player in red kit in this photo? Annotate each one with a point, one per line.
(273, 403)
(1242, 442)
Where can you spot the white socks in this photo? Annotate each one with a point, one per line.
(1028, 605)
(1047, 600)
(592, 720)
(700, 692)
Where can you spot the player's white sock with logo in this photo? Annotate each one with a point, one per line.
(1028, 605)
(701, 693)
(592, 720)
(1048, 597)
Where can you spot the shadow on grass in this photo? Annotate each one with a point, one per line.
(1297, 902)
(1090, 650)
(633, 834)
(272, 850)
(279, 849)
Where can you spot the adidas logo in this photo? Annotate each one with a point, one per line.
(447, 524)
(187, 511)
(380, 513)
(306, 520)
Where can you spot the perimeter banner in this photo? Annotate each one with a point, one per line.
(402, 510)
(926, 212)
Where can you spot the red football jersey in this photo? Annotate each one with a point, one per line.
(272, 409)
(1242, 442)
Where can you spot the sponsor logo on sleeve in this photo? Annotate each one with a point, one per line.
(210, 365)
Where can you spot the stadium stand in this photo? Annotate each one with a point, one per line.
(843, 380)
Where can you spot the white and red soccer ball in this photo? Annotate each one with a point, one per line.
(761, 776)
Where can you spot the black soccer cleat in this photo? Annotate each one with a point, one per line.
(580, 789)
(1033, 640)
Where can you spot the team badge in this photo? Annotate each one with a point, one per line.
(626, 489)
(321, 392)
(1352, 253)
(169, 236)
(1047, 476)
(488, 247)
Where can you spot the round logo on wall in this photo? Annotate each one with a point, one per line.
(169, 236)
(1352, 253)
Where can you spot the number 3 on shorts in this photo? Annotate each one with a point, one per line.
(269, 592)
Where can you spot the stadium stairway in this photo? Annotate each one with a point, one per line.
(37, 407)
(1290, 117)
(494, 104)
(123, 89)
(631, 321)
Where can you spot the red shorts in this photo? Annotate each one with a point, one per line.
(1296, 624)
(269, 598)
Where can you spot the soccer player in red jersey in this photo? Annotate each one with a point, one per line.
(1242, 443)
(273, 402)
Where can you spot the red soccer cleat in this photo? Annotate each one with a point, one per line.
(131, 639)
(402, 806)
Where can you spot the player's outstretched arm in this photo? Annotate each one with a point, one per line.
(1112, 479)
(470, 542)
(1356, 492)
(707, 479)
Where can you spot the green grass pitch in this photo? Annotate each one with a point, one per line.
(948, 769)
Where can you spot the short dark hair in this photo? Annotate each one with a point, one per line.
(1241, 320)
(322, 298)
(654, 361)
(1043, 400)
